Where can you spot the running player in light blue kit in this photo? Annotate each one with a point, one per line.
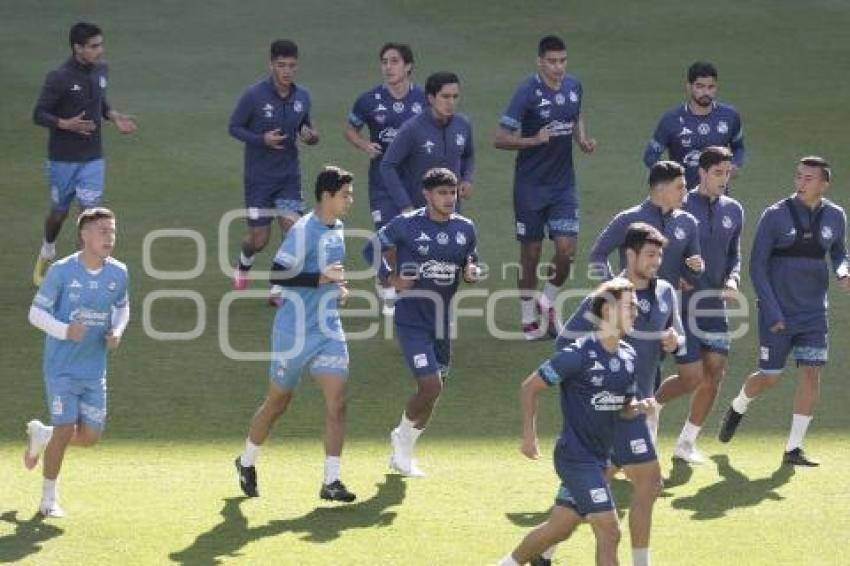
(596, 375)
(307, 331)
(83, 308)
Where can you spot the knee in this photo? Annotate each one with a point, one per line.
(87, 436)
(277, 405)
(431, 389)
(610, 534)
(259, 241)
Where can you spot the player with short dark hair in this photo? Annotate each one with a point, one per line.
(596, 375)
(703, 365)
(542, 120)
(425, 254)
(307, 332)
(437, 137)
(685, 130)
(789, 271)
(72, 105)
(83, 307)
(270, 118)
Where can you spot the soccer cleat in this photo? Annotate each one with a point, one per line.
(401, 460)
(388, 307)
(540, 561)
(240, 279)
(687, 451)
(275, 296)
(797, 457)
(336, 491)
(532, 331)
(247, 478)
(39, 435)
(40, 270)
(50, 508)
(729, 424)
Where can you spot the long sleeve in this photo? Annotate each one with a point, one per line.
(396, 153)
(733, 255)
(47, 323)
(239, 121)
(759, 269)
(656, 146)
(120, 318)
(467, 159)
(736, 145)
(838, 252)
(50, 94)
(609, 240)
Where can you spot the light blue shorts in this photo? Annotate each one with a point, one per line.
(72, 400)
(293, 353)
(80, 179)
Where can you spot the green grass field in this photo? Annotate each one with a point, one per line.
(160, 487)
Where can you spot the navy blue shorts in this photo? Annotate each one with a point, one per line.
(705, 333)
(632, 442)
(425, 355)
(584, 487)
(809, 348)
(265, 203)
(560, 217)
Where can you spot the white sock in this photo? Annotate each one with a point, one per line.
(652, 419)
(332, 464)
(245, 260)
(527, 309)
(48, 489)
(508, 561)
(408, 433)
(689, 433)
(549, 552)
(741, 402)
(249, 455)
(799, 425)
(386, 293)
(48, 249)
(550, 295)
(640, 557)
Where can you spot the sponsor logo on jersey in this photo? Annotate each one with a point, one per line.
(387, 135)
(438, 271)
(560, 128)
(89, 317)
(607, 401)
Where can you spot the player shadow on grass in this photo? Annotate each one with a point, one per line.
(28, 536)
(321, 525)
(734, 491)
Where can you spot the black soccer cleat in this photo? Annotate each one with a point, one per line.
(540, 561)
(797, 457)
(336, 491)
(247, 478)
(729, 424)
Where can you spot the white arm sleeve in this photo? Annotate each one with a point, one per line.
(120, 319)
(45, 322)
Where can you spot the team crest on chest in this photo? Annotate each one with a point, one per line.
(722, 127)
(726, 222)
(460, 239)
(679, 233)
(442, 238)
(643, 305)
(704, 129)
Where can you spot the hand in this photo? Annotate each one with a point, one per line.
(76, 331)
(112, 341)
(125, 123)
(274, 139)
(587, 145)
(465, 190)
(695, 263)
(778, 327)
(342, 294)
(670, 340)
(543, 135)
(471, 273)
(844, 283)
(685, 286)
(373, 150)
(401, 283)
(308, 135)
(530, 448)
(334, 273)
(77, 124)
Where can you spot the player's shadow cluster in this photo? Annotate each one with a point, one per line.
(28, 536)
(321, 525)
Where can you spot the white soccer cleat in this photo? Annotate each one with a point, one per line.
(401, 459)
(50, 508)
(39, 435)
(688, 452)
